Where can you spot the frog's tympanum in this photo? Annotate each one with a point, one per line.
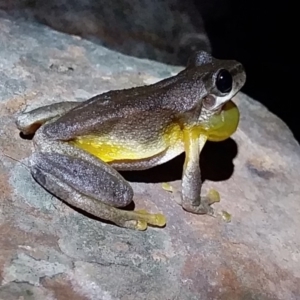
(80, 146)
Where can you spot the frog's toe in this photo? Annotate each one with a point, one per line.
(226, 216)
(176, 193)
(140, 225)
(152, 219)
(140, 219)
(213, 196)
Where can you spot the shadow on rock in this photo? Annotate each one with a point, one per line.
(216, 163)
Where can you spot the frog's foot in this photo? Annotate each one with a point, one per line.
(205, 205)
(139, 219)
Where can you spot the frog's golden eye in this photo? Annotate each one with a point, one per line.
(224, 81)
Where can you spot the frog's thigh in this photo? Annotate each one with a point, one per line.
(78, 174)
(29, 122)
(90, 188)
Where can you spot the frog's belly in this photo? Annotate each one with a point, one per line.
(118, 149)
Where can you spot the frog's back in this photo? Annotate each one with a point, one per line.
(143, 112)
(128, 133)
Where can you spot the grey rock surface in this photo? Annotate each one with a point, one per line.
(50, 251)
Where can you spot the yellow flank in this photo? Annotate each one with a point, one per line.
(173, 135)
(110, 148)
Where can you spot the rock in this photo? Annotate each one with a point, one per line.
(50, 251)
(166, 31)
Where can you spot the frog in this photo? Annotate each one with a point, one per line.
(80, 148)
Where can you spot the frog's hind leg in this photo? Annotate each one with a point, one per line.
(29, 122)
(87, 183)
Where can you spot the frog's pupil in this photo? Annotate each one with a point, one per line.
(224, 81)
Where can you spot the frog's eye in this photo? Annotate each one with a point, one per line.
(224, 81)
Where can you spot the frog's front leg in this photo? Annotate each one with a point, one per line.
(29, 122)
(85, 182)
(191, 179)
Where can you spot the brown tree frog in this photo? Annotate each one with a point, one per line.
(80, 146)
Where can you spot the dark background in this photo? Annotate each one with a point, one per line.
(261, 34)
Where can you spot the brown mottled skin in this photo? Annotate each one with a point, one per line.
(143, 116)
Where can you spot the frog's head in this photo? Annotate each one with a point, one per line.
(221, 79)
